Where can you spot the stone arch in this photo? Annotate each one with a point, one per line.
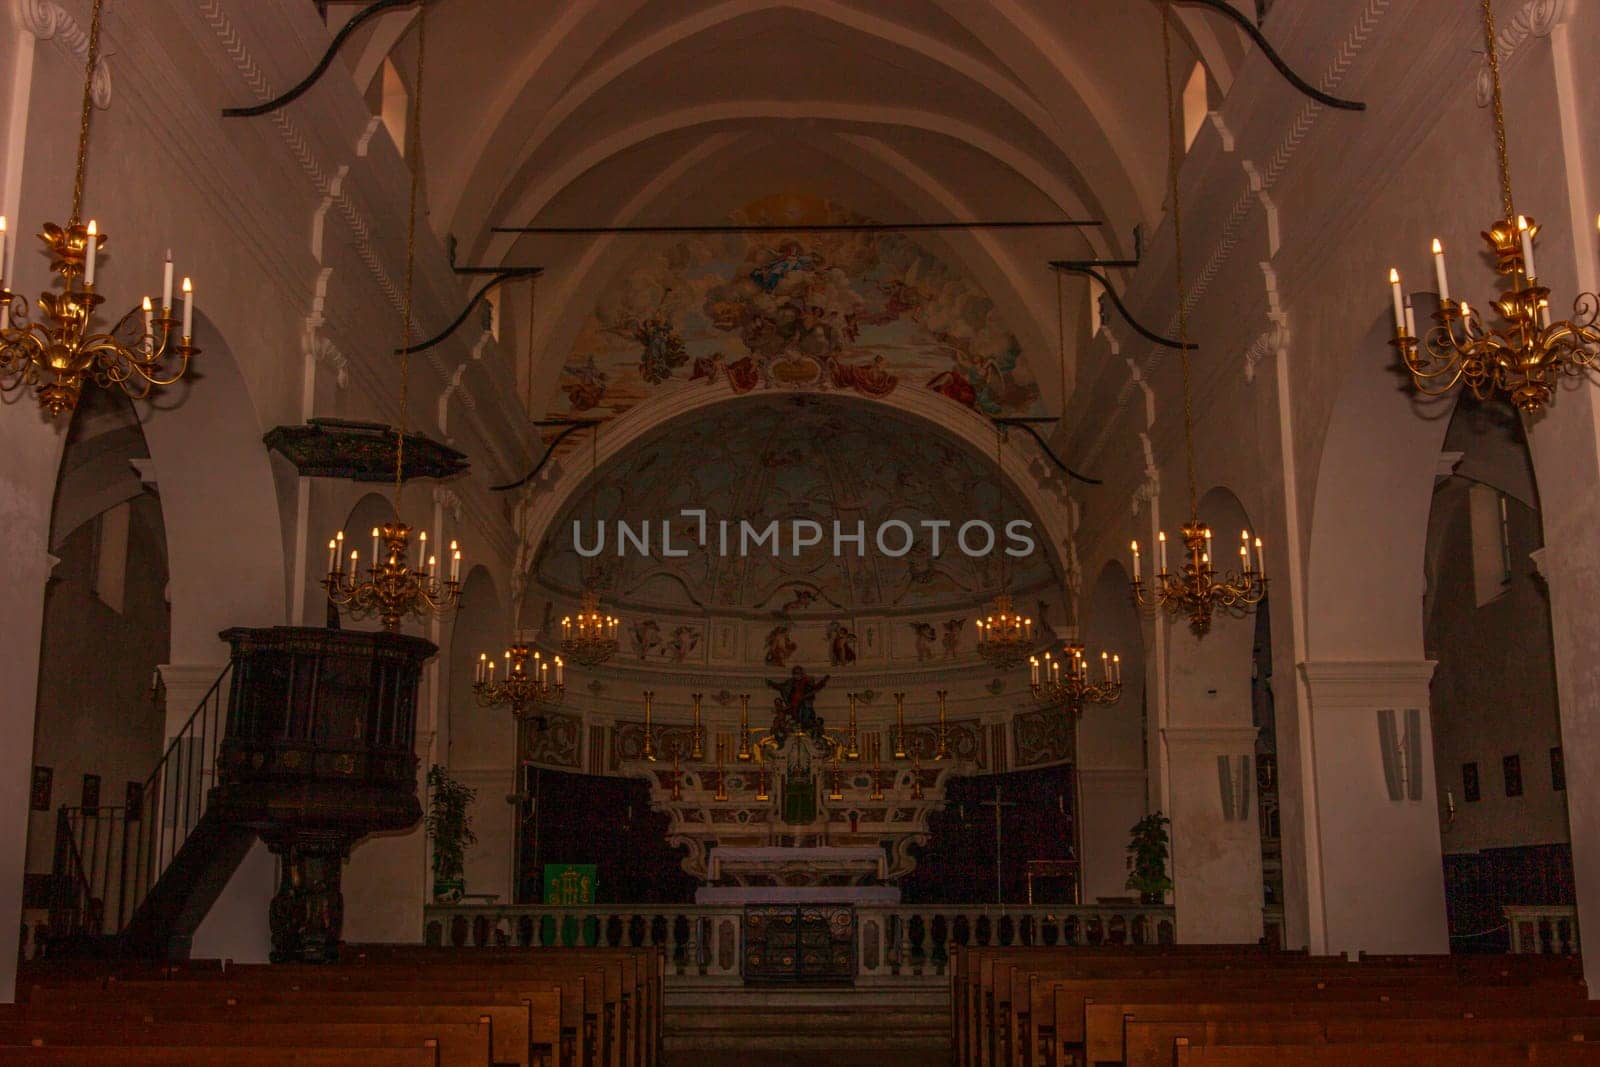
(227, 564)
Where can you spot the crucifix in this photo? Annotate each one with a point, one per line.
(997, 804)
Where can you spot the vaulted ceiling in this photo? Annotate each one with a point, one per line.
(607, 112)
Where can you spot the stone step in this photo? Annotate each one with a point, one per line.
(839, 1021)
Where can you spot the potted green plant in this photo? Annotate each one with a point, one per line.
(449, 832)
(1147, 859)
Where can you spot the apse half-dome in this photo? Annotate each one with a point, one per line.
(797, 457)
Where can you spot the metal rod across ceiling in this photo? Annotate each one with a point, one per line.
(830, 227)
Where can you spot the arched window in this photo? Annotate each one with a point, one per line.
(1195, 104)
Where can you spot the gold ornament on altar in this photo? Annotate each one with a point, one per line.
(395, 586)
(62, 351)
(1066, 683)
(528, 686)
(1521, 360)
(1197, 589)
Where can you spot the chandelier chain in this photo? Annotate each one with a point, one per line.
(533, 313)
(411, 255)
(91, 61)
(1174, 156)
(1061, 339)
(1501, 152)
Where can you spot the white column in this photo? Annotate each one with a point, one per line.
(1110, 801)
(187, 685)
(1382, 863)
(1216, 858)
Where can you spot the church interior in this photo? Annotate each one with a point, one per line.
(1044, 533)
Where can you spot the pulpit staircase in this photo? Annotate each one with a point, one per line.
(137, 879)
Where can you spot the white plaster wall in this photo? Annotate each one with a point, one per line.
(236, 927)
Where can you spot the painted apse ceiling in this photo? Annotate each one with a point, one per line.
(864, 313)
(794, 457)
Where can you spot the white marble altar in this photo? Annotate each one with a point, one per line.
(797, 875)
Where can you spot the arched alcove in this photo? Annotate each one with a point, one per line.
(1494, 709)
(1111, 768)
(99, 724)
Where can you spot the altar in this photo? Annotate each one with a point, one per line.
(822, 874)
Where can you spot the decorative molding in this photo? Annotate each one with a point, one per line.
(329, 355)
(1367, 684)
(1232, 738)
(1535, 19)
(1294, 136)
(449, 500)
(49, 21)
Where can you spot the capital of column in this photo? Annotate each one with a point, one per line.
(1219, 738)
(1368, 683)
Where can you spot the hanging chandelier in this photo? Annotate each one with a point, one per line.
(1521, 360)
(590, 636)
(1197, 589)
(394, 586)
(1004, 636)
(528, 687)
(1076, 689)
(62, 350)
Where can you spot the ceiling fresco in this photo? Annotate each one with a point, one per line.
(849, 312)
(789, 457)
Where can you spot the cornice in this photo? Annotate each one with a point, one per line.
(49, 21)
(1536, 18)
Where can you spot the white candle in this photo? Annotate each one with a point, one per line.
(1105, 665)
(1411, 319)
(3, 236)
(166, 287)
(1116, 667)
(1399, 299)
(355, 563)
(1261, 562)
(188, 308)
(1033, 670)
(483, 658)
(1135, 546)
(1438, 271)
(149, 326)
(1527, 247)
(455, 562)
(374, 542)
(1161, 541)
(333, 554)
(91, 252)
(422, 551)
(1466, 318)
(339, 555)
(561, 679)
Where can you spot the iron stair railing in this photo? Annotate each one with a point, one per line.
(109, 858)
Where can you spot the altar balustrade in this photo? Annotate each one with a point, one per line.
(705, 943)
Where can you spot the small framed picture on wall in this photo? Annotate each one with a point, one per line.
(1558, 770)
(91, 794)
(1512, 767)
(39, 793)
(1469, 782)
(133, 801)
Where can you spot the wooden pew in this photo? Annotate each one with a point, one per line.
(212, 1056)
(458, 1044)
(1553, 1054)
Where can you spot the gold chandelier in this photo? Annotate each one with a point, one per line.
(1074, 691)
(1004, 636)
(393, 586)
(1197, 589)
(528, 686)
(590, 636)
(61, 351)
(1521, 360)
